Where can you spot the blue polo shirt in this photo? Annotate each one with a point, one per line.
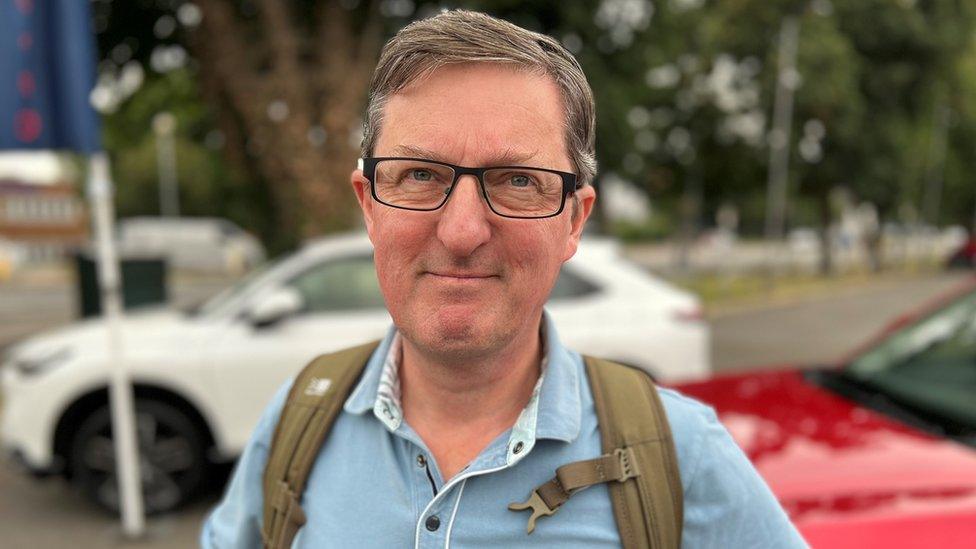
(375, 483)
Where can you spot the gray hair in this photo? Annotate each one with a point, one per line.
(461, 36)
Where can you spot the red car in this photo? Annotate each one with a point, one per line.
(879, 451)
(965, 256)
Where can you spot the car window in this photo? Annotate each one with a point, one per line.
(342, 284)
(571, 284)
(930, 364)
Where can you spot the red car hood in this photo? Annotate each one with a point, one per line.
(848, 476)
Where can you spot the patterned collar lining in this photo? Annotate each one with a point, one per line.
(387, 407)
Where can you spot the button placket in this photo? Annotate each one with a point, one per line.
(431, 524)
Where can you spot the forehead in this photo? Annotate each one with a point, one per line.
(478, 114)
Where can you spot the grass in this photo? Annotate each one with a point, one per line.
(719, 292)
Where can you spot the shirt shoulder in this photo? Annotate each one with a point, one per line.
(264, 430)
(689, 420)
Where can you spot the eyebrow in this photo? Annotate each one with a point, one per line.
(508, 157)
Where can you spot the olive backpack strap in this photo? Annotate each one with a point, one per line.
(638, 464)
(650, 509)
(314, 402)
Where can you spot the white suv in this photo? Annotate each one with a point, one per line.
(202, 377)
(206, 244)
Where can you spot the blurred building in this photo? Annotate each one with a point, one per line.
(623, 201)
(40, 222)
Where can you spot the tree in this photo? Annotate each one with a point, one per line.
(289, 80)
(683, 89)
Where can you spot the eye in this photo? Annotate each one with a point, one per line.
(521, 180)
(421, 175)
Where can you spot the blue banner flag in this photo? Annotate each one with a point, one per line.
(47, 72)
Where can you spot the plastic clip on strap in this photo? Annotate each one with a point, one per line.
(547, 498)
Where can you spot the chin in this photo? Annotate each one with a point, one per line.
(455, 330)
(455, 336)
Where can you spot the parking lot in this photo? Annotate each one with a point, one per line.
(809, 329)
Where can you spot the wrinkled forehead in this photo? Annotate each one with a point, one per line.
(480, 112)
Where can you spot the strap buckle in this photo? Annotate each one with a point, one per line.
(628, 464)
(537, 505)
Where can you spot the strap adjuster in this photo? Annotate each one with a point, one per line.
(546, 499)
(537, 505)
(628, 465)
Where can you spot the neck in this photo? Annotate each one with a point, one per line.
(458, 407)
(477, 390)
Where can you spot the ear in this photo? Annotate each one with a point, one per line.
(586, 198)
(360, 185)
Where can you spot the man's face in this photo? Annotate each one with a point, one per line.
(462, 281)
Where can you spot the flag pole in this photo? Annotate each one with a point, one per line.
(121, 399)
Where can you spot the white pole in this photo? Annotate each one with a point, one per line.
(120, 389)
(787, 80)
(164, 125)
(936, 163)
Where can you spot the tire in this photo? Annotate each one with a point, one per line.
(172, 464)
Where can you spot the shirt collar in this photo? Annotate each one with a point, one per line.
(560, 409)
(363, 397)
(553, 412)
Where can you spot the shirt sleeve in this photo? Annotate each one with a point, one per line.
(236, 521)
(727, 503)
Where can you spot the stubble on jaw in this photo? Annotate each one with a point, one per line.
(456, 339)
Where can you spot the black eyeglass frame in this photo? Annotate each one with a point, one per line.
(570, 183)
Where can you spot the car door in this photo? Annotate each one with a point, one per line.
(343, 306)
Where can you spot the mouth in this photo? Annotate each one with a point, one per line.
(461, 276)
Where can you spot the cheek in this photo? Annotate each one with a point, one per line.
(390, 269)
(398, 245)
(537, 266)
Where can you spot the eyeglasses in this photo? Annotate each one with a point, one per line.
(511, 191)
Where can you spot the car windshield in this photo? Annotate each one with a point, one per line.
(217, 304)
(929, 366)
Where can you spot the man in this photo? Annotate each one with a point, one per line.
(472, 400)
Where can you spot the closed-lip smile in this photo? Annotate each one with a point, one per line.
(460, 275)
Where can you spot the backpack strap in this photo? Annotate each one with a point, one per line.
(636, 441)
(637, 445)
(314, 402)
(573, 477)
(650, 510)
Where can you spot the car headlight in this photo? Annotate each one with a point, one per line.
(42, 363)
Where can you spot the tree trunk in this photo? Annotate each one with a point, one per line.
(295, 91)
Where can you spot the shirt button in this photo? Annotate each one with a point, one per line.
(421, 460)
(518, 447)
(433, 523)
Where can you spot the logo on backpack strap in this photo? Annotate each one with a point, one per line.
(317, 386)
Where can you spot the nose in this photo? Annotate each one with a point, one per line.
(464, 225)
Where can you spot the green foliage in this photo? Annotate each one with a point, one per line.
(208, 186)
(684, 93)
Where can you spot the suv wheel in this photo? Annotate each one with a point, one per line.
(172, 462)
